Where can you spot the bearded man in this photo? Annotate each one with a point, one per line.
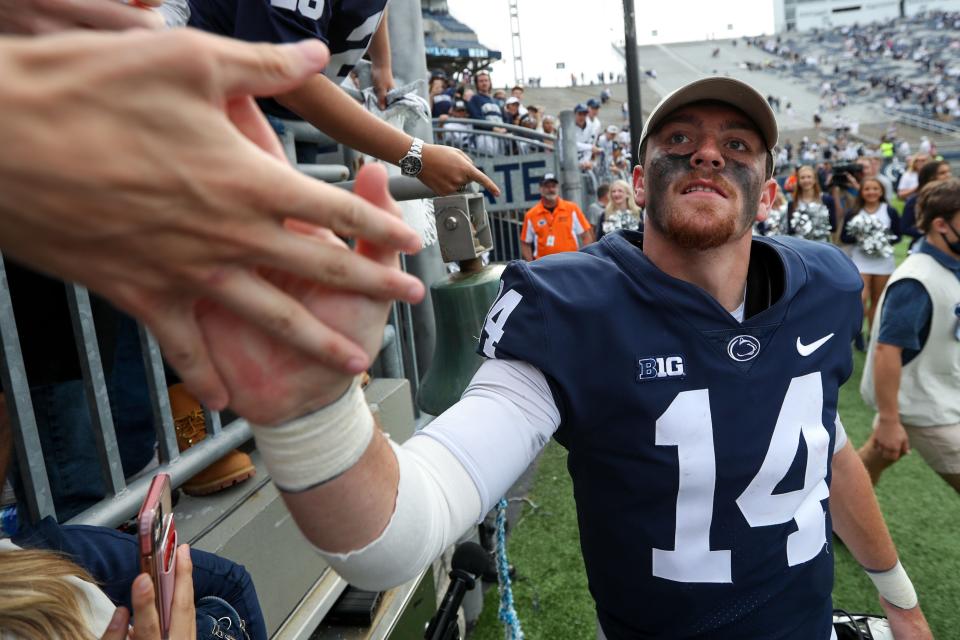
(691, 372)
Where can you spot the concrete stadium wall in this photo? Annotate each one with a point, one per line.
(831, 13)
(914, 7)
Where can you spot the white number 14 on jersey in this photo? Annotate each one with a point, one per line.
(687, 425)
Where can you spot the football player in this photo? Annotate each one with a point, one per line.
(709, 464)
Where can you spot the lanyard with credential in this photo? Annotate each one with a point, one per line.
(551, 217)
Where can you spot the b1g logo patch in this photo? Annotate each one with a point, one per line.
(660, 367)
(743, 348)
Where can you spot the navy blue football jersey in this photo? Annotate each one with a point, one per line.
(699, 446)
(442, 104)
(345, 26)
(481, 107)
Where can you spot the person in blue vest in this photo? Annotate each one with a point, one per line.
(689, 370)
(912, 372)
(349, 29)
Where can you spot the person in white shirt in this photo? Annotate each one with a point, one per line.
(586, 140)
(517, 92)
(910, 180)
(593, 117)
(606, 141)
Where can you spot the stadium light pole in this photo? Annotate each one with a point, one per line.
(633, 78)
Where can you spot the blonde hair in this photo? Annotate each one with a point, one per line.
(36, 600)
(798, 192)
(631, 203)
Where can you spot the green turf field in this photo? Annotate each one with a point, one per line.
(922, 512)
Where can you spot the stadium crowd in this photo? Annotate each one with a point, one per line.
(906, 64)
(603, 150)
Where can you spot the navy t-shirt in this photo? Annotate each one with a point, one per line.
(699, 446)
(442, 104)
(346, 27)
(908, 310)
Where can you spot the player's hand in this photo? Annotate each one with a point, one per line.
(906, 624)
(446, 170)
(38, 17)
(271, 382)
(383, 83)
(183, 618)
(890, 438)
(152, 178)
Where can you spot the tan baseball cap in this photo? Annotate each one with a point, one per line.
(720, 89)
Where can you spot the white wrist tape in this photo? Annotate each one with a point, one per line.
(895, 586)
(318, 447)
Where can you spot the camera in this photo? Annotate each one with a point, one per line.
(840, 173)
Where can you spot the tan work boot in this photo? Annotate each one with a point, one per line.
(191, 428)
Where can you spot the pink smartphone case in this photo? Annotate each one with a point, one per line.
(165, 581)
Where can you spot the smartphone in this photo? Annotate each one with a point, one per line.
(158, 545)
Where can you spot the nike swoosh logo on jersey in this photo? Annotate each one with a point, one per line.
(807, 349)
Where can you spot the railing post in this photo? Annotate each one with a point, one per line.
(570, 186)
(408, 55)
(159, 400)
(26, 439)
(409, 60)
(95, 387)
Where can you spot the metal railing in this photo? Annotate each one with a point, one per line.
(477, 138)
(121, 500)
(922, 122)
(513, 146)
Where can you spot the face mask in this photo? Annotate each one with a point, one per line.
(955, 245)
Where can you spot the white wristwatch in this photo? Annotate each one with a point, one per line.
(412, 163)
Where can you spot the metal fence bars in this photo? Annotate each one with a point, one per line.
(516, 159)
(122, 500)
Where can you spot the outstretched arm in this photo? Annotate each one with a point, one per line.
(159, 189)
(378, 512)
(322, 103)
(381, 60)
(39, 17)
(387, 518)
(858, 522)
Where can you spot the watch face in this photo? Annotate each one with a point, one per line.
(411, 165)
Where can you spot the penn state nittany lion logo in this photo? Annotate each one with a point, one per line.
(743, 348)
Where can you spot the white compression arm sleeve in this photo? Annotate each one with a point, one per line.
(453, 471)
(841, 439)
(505, 417)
